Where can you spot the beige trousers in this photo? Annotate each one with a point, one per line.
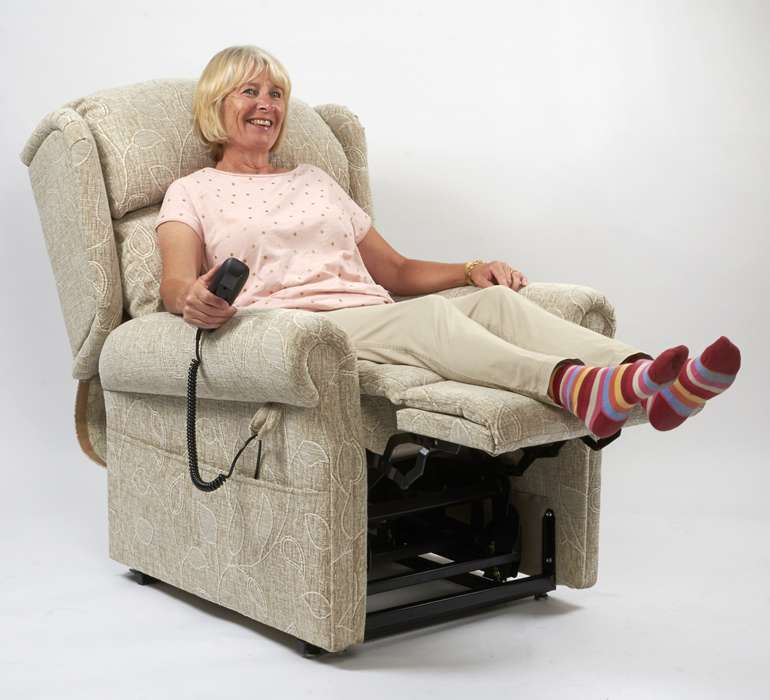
(493, 337)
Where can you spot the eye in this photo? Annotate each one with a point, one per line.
(247, 89)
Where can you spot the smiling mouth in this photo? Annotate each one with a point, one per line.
(263, 126)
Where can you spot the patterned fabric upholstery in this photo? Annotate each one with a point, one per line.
(287, 549)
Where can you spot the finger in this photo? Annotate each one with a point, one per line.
(497, 272)
(202, 306)
(215, 314)
(204, 311)
(198, 323)
(208, 297)
(210, 273)
(502, 274)
(207, 320)
(506, 275)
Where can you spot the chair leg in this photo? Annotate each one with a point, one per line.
(142, 578)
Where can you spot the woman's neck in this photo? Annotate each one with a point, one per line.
(246, 163)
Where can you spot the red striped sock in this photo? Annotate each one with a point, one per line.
(602, 397)
(699, 380)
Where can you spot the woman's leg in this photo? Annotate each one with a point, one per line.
(434, 333)
(518, 320)
(513, 317)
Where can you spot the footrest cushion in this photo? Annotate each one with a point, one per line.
(492, 420)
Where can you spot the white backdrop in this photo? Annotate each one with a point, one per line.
(620, 145)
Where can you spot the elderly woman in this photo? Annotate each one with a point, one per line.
(309, 246)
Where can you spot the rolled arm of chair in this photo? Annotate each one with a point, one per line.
(257, 356)
(575, 302)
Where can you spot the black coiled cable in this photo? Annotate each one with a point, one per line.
(192, 451)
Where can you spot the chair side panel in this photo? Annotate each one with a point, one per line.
(570, 485)
(288, 549)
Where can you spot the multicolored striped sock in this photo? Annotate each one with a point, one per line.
(701, 379)
(602, 397)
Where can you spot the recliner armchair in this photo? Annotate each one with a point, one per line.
(358, 461)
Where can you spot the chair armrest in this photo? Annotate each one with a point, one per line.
(257, 356)
(582, 305)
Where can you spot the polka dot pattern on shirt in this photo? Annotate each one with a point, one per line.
(321, 270)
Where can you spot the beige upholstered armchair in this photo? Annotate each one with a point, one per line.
(361, 464)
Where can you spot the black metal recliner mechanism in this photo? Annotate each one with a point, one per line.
(451, 501)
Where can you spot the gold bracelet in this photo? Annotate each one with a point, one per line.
(468, 267)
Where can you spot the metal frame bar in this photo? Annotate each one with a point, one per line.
(402, 617)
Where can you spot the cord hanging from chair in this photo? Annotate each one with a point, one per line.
(192, 451)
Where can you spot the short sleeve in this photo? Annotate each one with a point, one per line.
(359, 219)
(178, 206)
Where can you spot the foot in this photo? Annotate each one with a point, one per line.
(699, 380)
(603, 397)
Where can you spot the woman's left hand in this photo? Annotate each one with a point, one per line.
(498, 272)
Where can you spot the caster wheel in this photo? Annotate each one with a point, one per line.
(143, 579)
(540, 596)
(311, 651)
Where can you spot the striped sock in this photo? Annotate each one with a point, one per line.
(699, 380)
(602, 397)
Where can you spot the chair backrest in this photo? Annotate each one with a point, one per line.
(100, 167)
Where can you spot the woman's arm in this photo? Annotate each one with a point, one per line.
(182, 253)
(404, 276)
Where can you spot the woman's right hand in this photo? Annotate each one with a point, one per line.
(203, 308)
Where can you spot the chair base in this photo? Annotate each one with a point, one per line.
(448, 503)
(482, 591)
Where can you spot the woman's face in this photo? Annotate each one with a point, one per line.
(255, 99)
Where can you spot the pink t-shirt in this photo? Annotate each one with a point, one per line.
(297, 231)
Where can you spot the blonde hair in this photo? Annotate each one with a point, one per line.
(226, 71)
